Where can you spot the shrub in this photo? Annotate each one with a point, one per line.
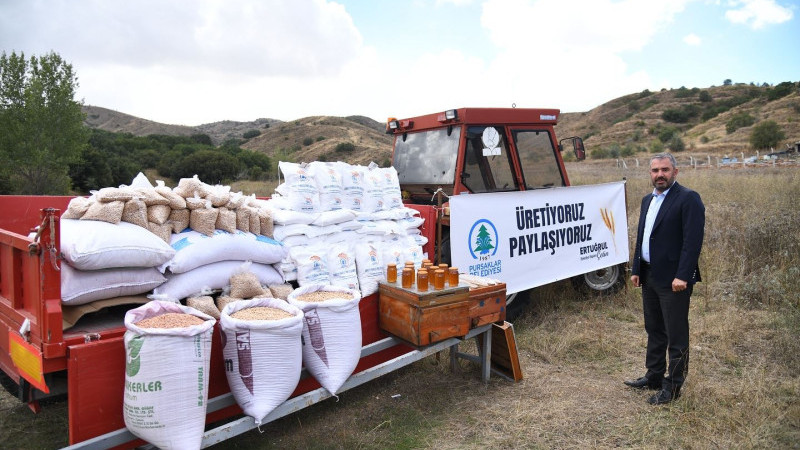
(645, 93)
(249, 134)
(308, 141)
(682, 92)
(600, 153)
(739, 120)
(656, 146)
(779, 91)
(320, 138)
(676, 144)
(766, 134)
(704, 97)
(345, 147)
(627, 150)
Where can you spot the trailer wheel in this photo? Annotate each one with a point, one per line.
(601, 282)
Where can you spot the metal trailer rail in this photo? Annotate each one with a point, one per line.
(247, 423)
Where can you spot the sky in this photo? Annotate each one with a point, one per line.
(194, 62)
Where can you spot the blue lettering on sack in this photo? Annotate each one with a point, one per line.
(182, 243)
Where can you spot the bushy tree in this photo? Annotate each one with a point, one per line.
(249, 134)
(739, 120)
(345, 147)
(766, 134)
(41, 125)
(211, 166)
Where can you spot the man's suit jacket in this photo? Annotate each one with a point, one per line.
(676, 238)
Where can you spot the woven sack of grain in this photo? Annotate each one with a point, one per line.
(265, 355)
(303, 195)
(331, 333)
(92, 245)
(193, 249)
(370, 267)
(329, 184)
(341, 259)
(166, 376)
(212, 276)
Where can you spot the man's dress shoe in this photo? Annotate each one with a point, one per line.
(644, 383)
(665, 396)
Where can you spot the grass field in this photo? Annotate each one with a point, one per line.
(742, 391)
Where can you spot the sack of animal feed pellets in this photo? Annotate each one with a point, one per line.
(371, 269)
(262, 353)
(303, 193)
(168, 352)
(331, 332)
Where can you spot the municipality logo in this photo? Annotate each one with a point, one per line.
(483, 239)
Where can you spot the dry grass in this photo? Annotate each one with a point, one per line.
(742, 391)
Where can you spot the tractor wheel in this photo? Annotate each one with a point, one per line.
(601, 282)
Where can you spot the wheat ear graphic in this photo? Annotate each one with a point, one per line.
(608, 219)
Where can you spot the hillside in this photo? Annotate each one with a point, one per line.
(633, 122)
(635, 119)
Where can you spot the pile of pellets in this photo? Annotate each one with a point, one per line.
(170, 320)
(164, 210)
(261, 313)
(321, 296)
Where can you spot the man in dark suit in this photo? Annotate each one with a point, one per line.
(665, 265)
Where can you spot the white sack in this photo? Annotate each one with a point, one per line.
(211, 276)
(92, 245)
(331, 335)
(84, 286)
(329, 183)
(193, 249)
(263, 358)
(312, 264)
(303, 194)
(352, 185)
(392, 196)
(341, 259)
(370, 267)
(166, 378)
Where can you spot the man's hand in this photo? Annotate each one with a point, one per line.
(679, 285)
(635, 280)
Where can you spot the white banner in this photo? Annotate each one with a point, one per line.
(528, 239)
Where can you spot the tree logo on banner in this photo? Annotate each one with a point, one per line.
(483, 239)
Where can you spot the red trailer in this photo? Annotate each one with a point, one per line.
(87, 361)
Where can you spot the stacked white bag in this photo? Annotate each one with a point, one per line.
(263, 358)
(203, 263)
(357, 206)
(105, 260)
(166, 377)
(331, 335)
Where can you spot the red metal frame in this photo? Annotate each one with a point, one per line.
(30, 288)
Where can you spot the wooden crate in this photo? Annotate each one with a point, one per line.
(487, 304)
(423, 318)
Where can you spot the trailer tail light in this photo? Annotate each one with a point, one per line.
(448, 116)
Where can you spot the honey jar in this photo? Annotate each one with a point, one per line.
(452, 278)
(391, 273)
(422, 280)
(408, 277)
(438, 279)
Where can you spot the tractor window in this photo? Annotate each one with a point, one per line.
(427, 157)
(484, 171)
(537, 158)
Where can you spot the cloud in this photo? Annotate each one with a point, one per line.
(757, 13)
(692, 39)
(568, 54)
(300, 38)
